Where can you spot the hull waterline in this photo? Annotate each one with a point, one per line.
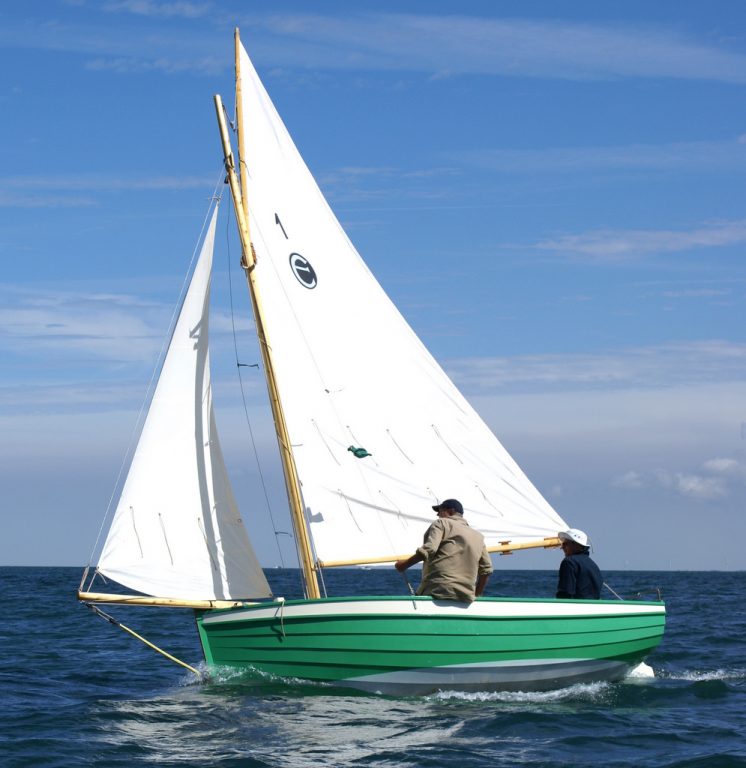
(405, 646)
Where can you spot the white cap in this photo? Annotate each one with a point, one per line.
(573, 534)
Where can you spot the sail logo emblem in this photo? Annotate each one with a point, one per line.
(303, 270)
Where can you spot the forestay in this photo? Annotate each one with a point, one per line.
(352, 373)
(176, 531)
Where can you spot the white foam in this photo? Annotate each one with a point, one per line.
(190, 678)
(577, 691)
(642, 671)
(716, 674)
(221, 674)
(251, 676)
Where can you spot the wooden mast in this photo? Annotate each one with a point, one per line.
(240, 205)
(239, 130)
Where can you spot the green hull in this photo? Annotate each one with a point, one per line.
(413, 646)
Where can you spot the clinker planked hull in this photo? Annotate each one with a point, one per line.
(410, 646)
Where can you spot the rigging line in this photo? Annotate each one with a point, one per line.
(165, 538)
(137, 535)
(84, 577)
(314, 553)
(388, 534)
(116, 623)
(323, 440)
(447, 445)
(391, 503)
(323, 583)
(489, 501)
(613, 592)
(215, 566)
(349, 509)
(401, 450)
(409, 586)
(243, 397)
(137, 428)
(96, 574)
(234, 127)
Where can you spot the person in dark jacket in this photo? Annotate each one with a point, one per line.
(579, 576)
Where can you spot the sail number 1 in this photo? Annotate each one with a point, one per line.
(301, 266)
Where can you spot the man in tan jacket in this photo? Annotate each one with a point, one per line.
(457, 565)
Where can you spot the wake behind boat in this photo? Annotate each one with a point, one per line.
(364, 453)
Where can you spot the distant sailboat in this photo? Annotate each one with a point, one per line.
(371, 433)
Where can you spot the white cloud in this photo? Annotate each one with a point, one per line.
(68, 398)
(720, 480)
(725, 467)
(223, 322)
(630, 480)
(703, 156)
(130, 65)
(614, 246)
(66, 191)
(434, 45)
(181, 8)
(653, 366)
(453, 44)
(42, 200)
(88, 326)
(136, 45)
(98, 325)
(104, 183)
(698, 487)
(697, 293)
(685, 484)
(69, 351)
(632, 446)
(391, 186)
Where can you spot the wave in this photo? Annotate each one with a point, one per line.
(579, 691)
(256, 681)
(695, 676)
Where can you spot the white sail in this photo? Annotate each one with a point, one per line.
(176, 531)
(351, 372)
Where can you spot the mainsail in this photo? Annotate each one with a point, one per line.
(176, 531)
(353, 375)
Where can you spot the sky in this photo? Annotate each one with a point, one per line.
(551, 192)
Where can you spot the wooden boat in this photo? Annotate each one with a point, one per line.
(371, 433)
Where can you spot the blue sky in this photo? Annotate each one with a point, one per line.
(552, 193)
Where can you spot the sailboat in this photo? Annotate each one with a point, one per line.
(371, 433)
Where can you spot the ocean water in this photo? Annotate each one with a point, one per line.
(77, 691)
